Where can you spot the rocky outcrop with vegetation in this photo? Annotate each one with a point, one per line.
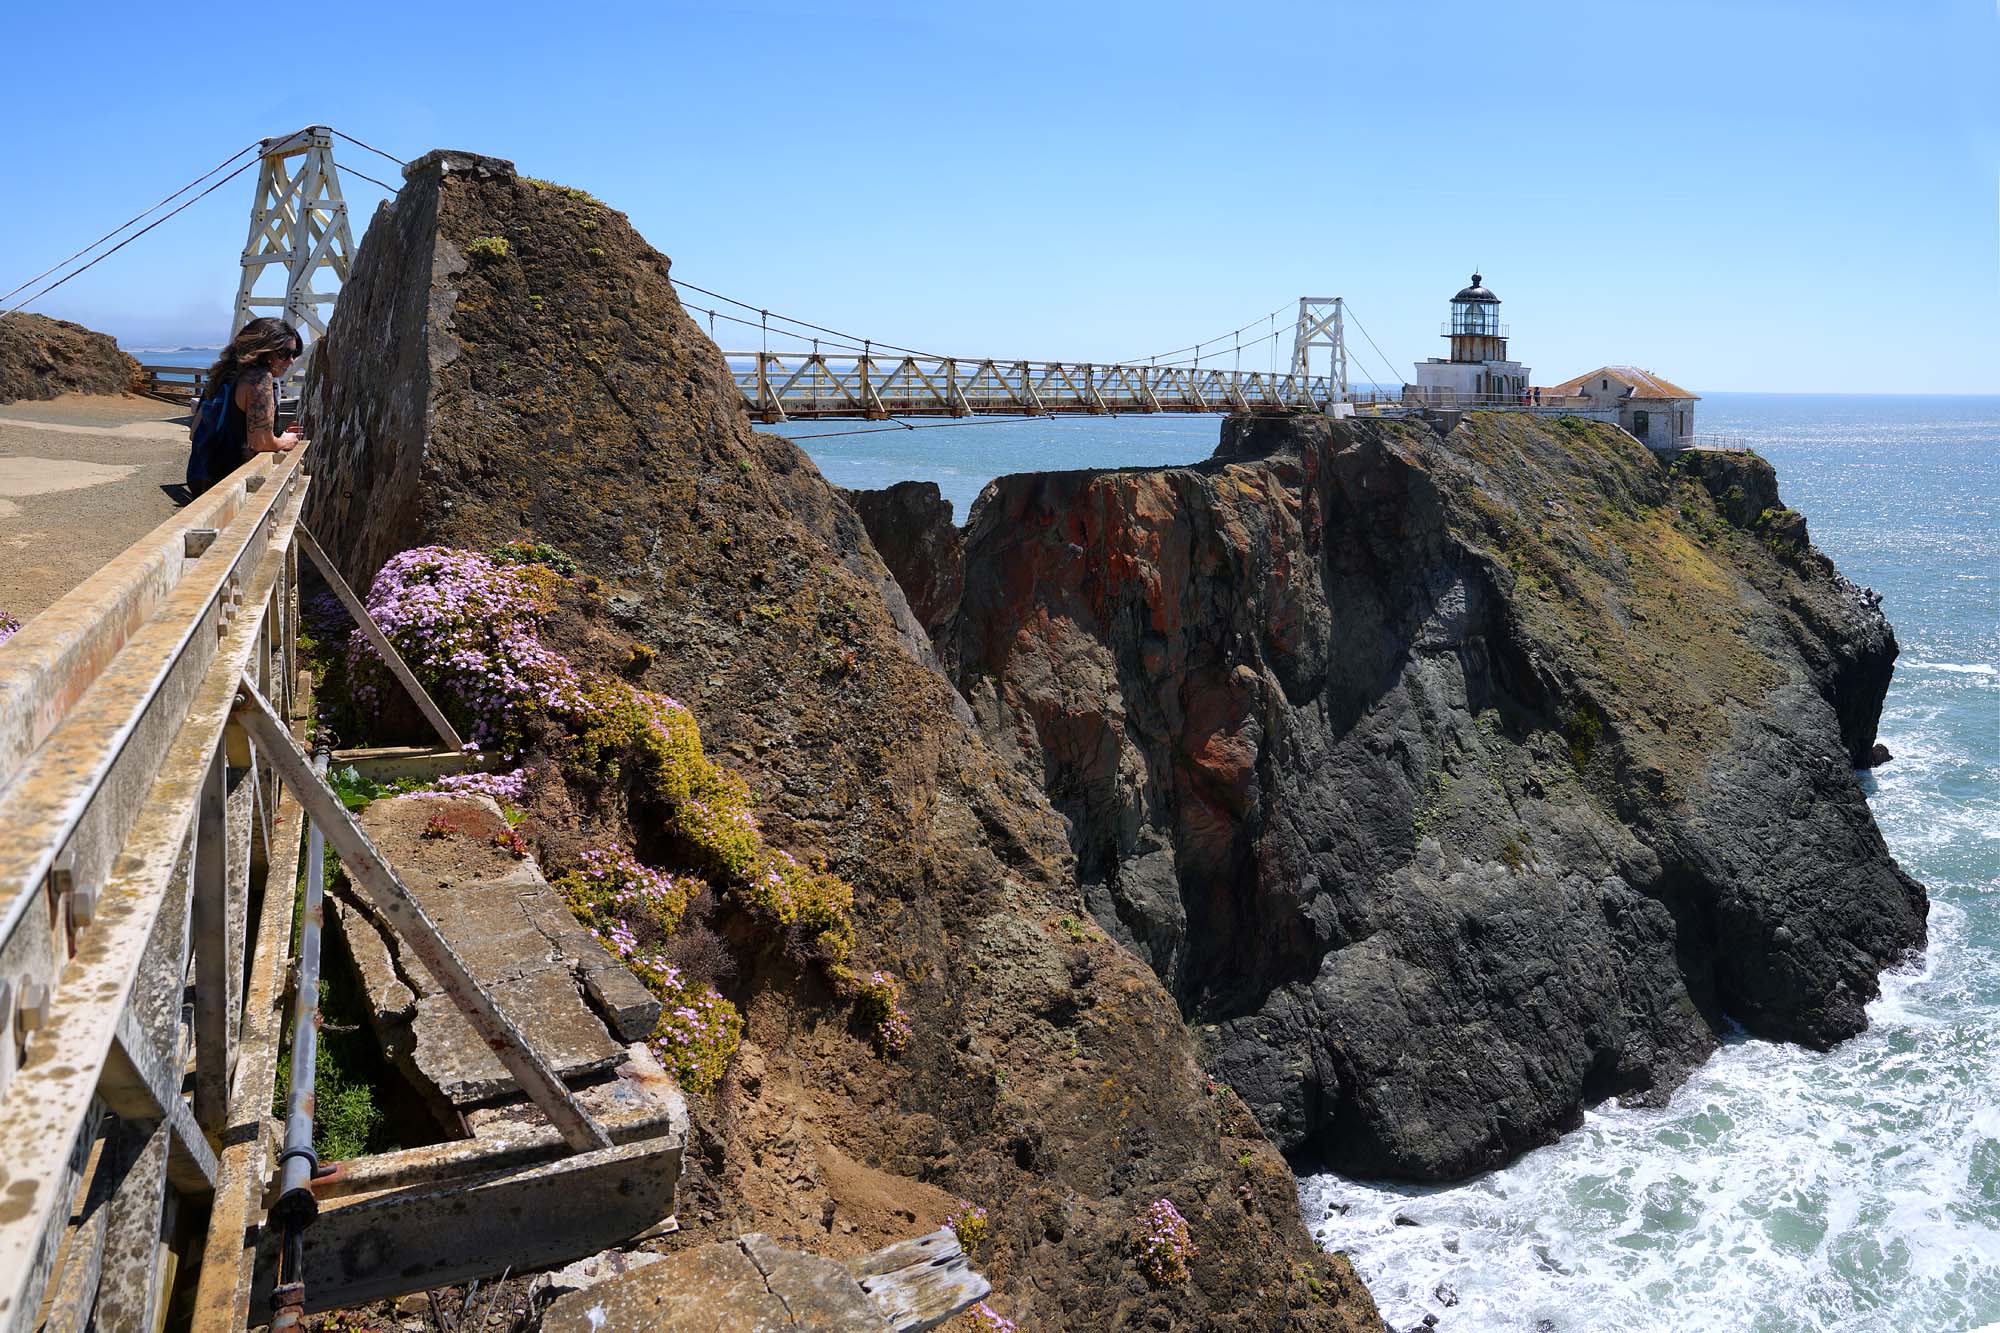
(45, 358)
(1450, 784)
(904, 1012)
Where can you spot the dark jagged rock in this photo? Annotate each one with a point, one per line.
(44, 358)
(910, 525)
(509, 361)
(1839, 629)
(1451, 784)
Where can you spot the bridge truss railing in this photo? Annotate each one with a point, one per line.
(782, 386)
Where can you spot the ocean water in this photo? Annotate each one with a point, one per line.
(1781, 1189)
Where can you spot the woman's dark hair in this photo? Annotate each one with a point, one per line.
(253, 344)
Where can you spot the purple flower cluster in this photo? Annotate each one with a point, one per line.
(7, 626)
(614, 882)
(470, 629)
(698, 1030)
(500, 786)
(1165, 1244)
(892, 1023)
(985, 1318)
(324, 616)
(969, 1224)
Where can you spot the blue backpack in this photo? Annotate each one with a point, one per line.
(209, 414)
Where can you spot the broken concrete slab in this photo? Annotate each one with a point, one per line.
(452, 850)
(753, 1284)
(719, 1288)
(817, 1292)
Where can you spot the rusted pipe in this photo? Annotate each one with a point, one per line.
(298, 1164)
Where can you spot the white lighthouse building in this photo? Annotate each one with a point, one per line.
(1478, 372)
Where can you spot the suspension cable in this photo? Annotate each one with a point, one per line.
(370, 147)
(350, 171)
(1371, 342)
(1196, 347)
(134, 236)
(129, 221)
(851, 338)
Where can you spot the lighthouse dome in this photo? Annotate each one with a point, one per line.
(1476, 294)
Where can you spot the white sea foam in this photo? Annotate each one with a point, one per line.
(1855, 1190)
(1779, 1189)
(1959, 668)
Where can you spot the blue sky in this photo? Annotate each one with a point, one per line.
(1743, 195)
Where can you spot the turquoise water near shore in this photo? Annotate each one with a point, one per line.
(1781, 1189)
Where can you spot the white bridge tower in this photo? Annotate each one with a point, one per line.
(298, 224)
(1320, 325)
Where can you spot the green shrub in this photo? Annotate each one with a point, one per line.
(1581, 730)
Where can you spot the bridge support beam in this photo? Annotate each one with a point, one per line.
(299, 220)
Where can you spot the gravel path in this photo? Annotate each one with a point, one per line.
(81, 479)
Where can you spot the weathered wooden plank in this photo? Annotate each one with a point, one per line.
(919, 1284)
(222, 1296)
(46, 667)
(129, 1286)
(471, 1226)
(211, 888)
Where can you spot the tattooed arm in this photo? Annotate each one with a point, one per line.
(258, 397)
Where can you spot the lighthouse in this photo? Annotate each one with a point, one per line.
(1477, 372)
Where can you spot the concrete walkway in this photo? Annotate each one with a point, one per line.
(80, 480)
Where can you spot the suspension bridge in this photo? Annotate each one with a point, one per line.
(299, 247)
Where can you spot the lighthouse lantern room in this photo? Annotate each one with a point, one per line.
(1478, 371)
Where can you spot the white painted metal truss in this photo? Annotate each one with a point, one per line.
(1321, 324)
(783, 386)
(299, 222)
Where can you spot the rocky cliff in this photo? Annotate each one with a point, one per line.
(509, 362)
(1451, 784)
(42, 358)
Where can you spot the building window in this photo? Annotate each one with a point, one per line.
(1641, 424)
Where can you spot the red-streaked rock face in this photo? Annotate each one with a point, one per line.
(552, 389)
(1451, 784)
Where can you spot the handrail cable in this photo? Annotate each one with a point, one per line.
(133, 237)
(128, 222)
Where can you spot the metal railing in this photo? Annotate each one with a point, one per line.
(174, 384)
(153, 797)
(1453, 400)
(133, 820)
(782, 386)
